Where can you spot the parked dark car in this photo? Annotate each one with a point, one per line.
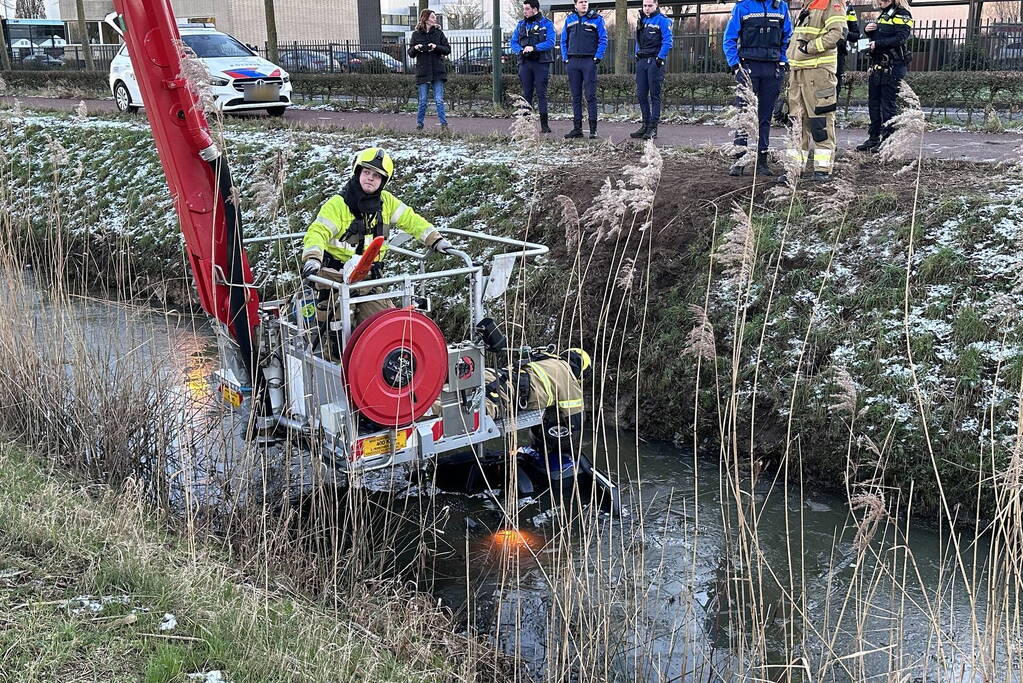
(41, 61)
(477, 61)
(304, 61)
(366, 61)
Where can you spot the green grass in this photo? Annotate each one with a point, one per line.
(59, 541)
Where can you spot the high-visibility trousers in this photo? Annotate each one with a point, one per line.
(812, 101)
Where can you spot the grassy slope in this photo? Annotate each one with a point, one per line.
(63, 546)
(963, 333)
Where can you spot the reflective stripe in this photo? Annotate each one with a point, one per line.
(896, 20)
(822, 158)
(398, 212)
(345, 249)
(572, 403)
(835, 20)
(813, 61)
(545, 380)
(329, 224)
(851, 16)
(796, 154)
(809, 30)
(819, 44)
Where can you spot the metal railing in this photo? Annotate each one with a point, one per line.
(936, 46)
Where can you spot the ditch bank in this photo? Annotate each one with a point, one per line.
(821, 357)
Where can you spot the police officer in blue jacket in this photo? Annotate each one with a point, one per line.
(533, 40)
(653, 42)
(756, 39)
(583, 41)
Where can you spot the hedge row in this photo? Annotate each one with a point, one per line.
(972, 91)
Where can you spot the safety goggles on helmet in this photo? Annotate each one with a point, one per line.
(376, 160)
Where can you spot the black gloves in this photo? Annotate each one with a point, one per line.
(596, 60)
(311, 267)
(660, 62)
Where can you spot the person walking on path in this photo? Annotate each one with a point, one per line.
(429, 46)
(533, 40)
(755, 44)
(653, 42)
(583, 42)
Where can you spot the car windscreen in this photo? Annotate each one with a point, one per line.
(211, 45)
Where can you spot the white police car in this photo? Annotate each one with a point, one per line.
(241, 80)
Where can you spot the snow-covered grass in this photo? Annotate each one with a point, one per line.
(114, 201)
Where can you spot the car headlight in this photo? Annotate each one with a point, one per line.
(219, 82)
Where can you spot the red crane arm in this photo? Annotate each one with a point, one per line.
(197, 173)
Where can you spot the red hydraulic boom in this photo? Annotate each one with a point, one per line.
(197, 172)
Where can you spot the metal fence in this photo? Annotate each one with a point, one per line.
(936, 46)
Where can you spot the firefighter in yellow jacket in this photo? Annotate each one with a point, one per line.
(348, 222)
(548, 382)
(812, 97)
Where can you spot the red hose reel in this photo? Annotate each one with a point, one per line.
(395, 364)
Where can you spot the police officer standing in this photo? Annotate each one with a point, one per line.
(755, 43)
(533, 40)
(889, 57)
(653, 42)
(583, 42)
(852, 35)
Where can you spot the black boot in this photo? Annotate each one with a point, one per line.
(593, 129)
(544, 128)
(651, 131)
(577, 130)
(641, 132)
(762, 167)
(869, 145)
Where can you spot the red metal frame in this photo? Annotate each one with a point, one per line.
(190, 162)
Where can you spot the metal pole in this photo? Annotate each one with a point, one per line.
(495, 52)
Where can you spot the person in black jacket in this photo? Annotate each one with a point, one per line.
(428, 46)
(889, 58)
(851, 37)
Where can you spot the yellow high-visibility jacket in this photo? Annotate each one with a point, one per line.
(327, 232)
(818, 29)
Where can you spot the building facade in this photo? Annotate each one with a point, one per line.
(297, 20)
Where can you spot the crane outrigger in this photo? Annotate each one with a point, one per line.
(400, 394)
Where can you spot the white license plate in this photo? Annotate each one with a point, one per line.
(265, 92)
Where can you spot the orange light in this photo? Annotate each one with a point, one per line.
(513, 539)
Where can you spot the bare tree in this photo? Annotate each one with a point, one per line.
(30, 9)
(270, 14)
(465, 14)
(621, 36)
(83, 34)
(1004, 12)
(514, 9)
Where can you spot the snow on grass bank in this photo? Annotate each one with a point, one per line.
(100, 180)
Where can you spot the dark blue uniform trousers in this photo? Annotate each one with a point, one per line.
(534, 75)
(649, 78)
(882, 99)
(765, 78)
(582, 80)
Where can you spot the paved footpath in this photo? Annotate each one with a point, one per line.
(952, 145)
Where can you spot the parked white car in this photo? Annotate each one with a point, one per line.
(241, 80)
